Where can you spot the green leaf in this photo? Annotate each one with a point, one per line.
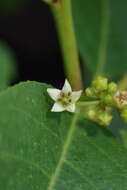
(7, 65)
(102, 35)
(41, 150)
(9, 6)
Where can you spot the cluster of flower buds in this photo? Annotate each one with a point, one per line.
(109, 98)
(103, 92)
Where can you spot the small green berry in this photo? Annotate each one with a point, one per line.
(100, 83)
(108, 99)
(112, 87)
(91, 114)
(104, 118)
(89, 92)
(124, 114)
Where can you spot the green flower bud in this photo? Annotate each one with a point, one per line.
(112, 87)
(90, 92)
(108, 99)
(100, 84)
(91, 114)
(124, 114)
(104, 118)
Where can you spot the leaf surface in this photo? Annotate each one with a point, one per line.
(40, 150)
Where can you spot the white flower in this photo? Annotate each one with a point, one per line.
(121, 98)
(64, 99)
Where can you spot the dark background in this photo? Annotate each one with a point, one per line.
(30, 31)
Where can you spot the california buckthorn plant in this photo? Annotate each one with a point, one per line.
(73, 137)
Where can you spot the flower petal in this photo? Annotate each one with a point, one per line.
(76, 95)
(54, 93)
(71, 108)
(67, 87)
(57, 107)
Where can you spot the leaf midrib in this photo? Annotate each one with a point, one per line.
(15, 157)
(64, 152)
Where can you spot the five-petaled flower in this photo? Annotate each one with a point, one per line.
(65, 99)
(121, 98)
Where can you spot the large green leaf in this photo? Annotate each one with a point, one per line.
(40, 150)
(101, 30)
(7, 65)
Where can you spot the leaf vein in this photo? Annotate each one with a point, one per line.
(35, 120)
(105, 154)
(82, 175)
(15, 157)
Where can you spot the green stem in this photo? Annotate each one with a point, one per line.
(62, 12)
(104, 32)
(82, 104)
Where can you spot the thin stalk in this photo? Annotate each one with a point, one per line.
(82, 104)
(62, 13)
(104, 35)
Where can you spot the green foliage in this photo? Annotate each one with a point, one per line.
(7, 65)
(7, 5)
(102, 35)
(41, 150)
(38, 148)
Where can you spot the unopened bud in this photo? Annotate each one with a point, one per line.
(104, 118)
(89, 92)
(112, 87)
(108, 99)
(91, 114)
(100, 83)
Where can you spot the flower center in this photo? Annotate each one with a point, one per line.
(122, 98)
(65, 99)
